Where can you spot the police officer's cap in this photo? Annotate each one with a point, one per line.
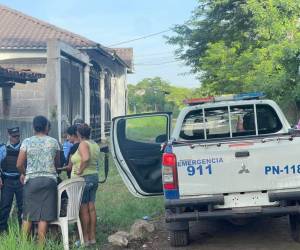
(14, 130)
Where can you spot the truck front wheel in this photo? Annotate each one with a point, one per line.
(294, 221)
(179, 238)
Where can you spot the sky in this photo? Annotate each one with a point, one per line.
(114, 21)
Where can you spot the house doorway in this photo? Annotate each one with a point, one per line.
(72, 92)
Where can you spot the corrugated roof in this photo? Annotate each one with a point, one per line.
(20, 31)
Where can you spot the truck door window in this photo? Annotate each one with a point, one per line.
(267, 119)
(147, 129)
(217, 123)
(193, 126)
(242, 120)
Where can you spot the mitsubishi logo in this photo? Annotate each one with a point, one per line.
(244, 170)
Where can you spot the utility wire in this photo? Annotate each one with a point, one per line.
(155, 59)
(155, 54)
(140, 38)
(155, 64)
(144, 37)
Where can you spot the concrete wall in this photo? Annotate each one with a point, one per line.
(120, 96)
(27, 100)
(57, 52)
(43, 97)
(19, 54)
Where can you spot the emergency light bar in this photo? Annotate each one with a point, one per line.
(227, 97)
(195, 101)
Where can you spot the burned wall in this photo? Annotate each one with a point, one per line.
(27, 100)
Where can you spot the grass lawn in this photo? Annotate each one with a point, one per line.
(146, 129)
(117, 209)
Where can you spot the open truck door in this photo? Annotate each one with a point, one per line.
(136, 142)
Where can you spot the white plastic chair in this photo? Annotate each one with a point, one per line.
(74, 189)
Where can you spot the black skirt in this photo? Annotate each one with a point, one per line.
(40, 199)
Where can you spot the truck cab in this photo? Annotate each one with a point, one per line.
(228, 157)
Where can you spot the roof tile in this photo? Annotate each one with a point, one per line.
(20, 31)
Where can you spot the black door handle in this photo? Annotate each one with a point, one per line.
(242, 154)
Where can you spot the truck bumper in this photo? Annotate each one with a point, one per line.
(209, 200)
(232, 213)
(284, 195)
(173, 208)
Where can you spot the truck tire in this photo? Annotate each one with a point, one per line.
(179, 238)
(294, 221)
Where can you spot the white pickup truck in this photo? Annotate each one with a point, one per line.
(229, 157)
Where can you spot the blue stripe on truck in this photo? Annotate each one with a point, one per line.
(171, 194)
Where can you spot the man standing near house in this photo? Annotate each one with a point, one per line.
(10, 180)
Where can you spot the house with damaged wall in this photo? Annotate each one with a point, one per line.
(8, 79)
(83, 79)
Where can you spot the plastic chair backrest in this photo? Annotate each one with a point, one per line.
(74, 189)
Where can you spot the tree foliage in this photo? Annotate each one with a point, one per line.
(156, 94)
(243, 45)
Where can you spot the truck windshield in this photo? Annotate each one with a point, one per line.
(230, 121)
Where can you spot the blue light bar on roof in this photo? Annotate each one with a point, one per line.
(248, 96)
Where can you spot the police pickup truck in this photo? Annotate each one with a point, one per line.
(228, 157)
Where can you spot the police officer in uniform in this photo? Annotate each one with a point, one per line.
(11, 180)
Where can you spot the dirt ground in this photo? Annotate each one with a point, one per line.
(261, 234)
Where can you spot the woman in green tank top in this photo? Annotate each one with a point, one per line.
(84, 164)
(91, 167)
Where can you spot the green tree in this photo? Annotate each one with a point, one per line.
(243, 45)
(148, 95)
(134, 99)
(176, 97)
(156, 94)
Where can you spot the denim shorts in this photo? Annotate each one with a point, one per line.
(91, 186)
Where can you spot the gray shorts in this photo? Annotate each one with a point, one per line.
(91, 186)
